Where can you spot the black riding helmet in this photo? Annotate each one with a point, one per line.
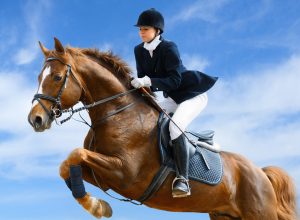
(151, 18)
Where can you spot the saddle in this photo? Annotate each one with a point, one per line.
(205, 163)
(205, 138)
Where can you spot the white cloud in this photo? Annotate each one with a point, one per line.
(295, 174)
(27, 153)
(212, 12)
(257, 114)
(284, 36)
(272, 90)
(34, 13)
(106, 47)
(125, 218)
(8, 34)
(30, 196)
(26, 55)
(31, 154)
(194, 62)
(15, 94)
(201, 9)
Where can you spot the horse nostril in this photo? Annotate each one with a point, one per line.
(38, 122)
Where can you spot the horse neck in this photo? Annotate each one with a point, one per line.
(100, 83)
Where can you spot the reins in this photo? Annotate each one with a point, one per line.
(102, 101)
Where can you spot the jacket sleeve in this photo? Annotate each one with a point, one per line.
(138, 65)
(173, 66)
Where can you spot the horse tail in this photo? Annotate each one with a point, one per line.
(285, 192)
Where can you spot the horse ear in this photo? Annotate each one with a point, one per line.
(58, 46)
(44, 49)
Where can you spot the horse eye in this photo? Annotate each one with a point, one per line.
(57, 78)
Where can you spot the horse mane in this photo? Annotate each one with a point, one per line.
(108, 60)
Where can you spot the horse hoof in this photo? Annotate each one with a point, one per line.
(107, 210)
(96, 207)
(100, 208)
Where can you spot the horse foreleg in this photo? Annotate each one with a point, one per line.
(71, 172)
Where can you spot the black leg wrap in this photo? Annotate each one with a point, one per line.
(77, 185)
(68, 182)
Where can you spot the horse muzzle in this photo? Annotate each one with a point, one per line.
(39, 121)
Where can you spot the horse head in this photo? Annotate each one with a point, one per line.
(58, 89)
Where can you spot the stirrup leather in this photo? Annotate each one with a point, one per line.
(184, 194)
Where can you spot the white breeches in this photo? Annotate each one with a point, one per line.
(184, 113)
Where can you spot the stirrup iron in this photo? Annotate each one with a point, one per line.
(183, 193)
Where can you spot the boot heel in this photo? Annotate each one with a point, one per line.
(181, 194)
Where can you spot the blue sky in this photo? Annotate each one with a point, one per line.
(253, 46)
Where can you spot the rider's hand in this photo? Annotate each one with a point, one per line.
(141, 82)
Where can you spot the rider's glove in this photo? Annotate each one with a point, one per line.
(141, 82)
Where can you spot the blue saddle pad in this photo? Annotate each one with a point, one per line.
(205, 166)
(199, 171)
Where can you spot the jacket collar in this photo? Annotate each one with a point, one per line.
(152, 45)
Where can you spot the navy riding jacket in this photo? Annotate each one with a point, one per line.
(168, 74)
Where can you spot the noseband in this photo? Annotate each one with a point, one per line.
(56, 109)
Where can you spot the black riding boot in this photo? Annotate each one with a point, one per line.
(180, 186)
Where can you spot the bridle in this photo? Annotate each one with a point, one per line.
(56, 109)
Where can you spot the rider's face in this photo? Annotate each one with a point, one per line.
(147, 33)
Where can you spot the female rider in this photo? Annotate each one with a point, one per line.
(159, 67)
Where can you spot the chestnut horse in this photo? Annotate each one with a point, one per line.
(120, 150)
